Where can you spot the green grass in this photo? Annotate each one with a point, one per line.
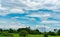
(35, 35)
(54, 36)
(42, 36)
(16, 35)
(4, 36)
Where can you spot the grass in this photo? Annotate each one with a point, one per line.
(35, 35)
(54, 36)
(42, 36)
(4, 36)
(16, 35)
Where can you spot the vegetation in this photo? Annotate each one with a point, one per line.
(27, 32)
(23, 33)
(45, 35)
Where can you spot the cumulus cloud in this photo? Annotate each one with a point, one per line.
(36, 16)
(6, 23)
(50, 21)
(44, 28)
(41, 15)
(17, 10)
(10, 5)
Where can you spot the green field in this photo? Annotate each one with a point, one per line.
(16, 35)
(42, 36)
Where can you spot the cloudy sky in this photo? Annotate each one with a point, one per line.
(34, 13)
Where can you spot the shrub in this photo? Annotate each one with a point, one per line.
(7, 34)
(23, 33)
(45, 35)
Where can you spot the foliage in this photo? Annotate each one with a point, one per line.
(45, 35)
(36, 31)
(27, 30)
(23, 33)
(6, 34)
(51, 33)
(58, 32)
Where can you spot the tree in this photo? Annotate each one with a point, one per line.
(55, 30)
(35, 31)
(45, 34)
(23, 33)
(6, 34)
(38, 32)
(58, 32)
(1, 31)
(10, 30)
(51, 33)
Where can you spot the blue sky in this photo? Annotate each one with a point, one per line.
(34, 13)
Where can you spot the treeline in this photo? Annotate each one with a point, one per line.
(30, 31)
(22, 32)
(56, 32)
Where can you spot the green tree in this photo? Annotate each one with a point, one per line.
(58, 32)
(45, 34)
(10, 30)
(55, 30)
(23, 33)
(1, 31)
(6, 34)
(51, 33)
(27, 29)
(35, 31)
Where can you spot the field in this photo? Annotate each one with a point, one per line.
(16, 35)
(42, 36)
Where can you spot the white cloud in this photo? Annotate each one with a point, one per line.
(17, 6)
(39, 15)
(50, 21)
(2, 8)
(11, 24)
(27, 18)
(44, 28)
(11, 5)
(17, 10)
(48, 4)
(34, 4)
(43, 16)
(4, 11)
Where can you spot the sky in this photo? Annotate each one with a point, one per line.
(30, 13)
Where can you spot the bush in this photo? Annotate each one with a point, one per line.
(7, 34)
(45, 35)
(52, 33)
(58, 32)
(23, 33)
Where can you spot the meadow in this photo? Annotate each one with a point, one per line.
(16, 35)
